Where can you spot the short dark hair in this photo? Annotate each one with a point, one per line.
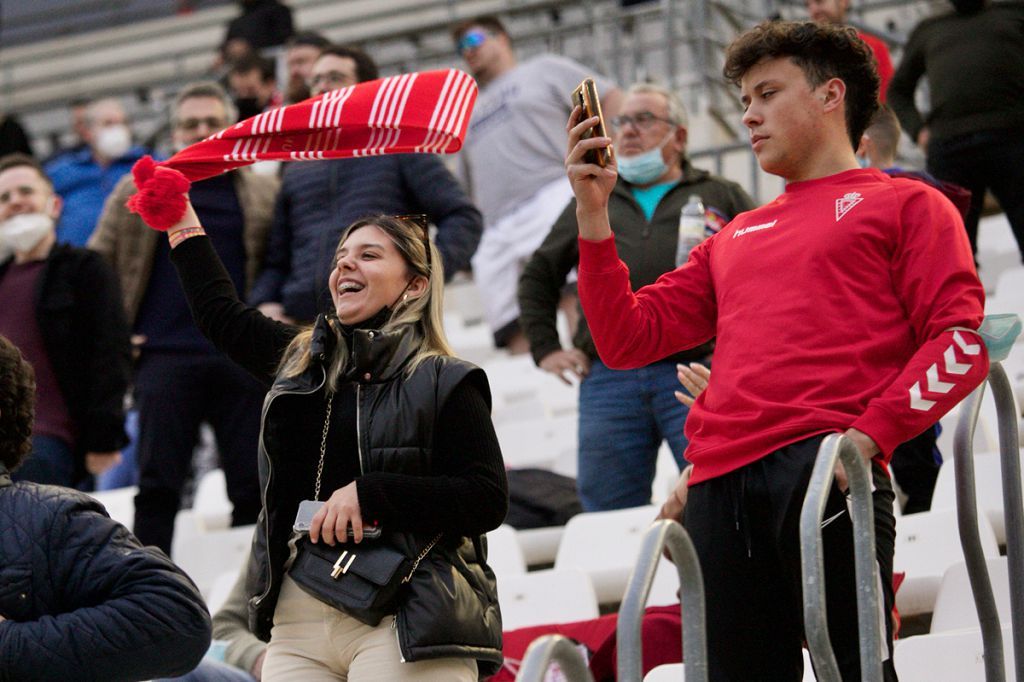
(884, 130)
(17, 405)
(822, 52)
(487, 21)
(18, 159)
(252, 62)
(366, 68)
(309, 39)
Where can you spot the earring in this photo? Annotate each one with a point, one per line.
(405, 297)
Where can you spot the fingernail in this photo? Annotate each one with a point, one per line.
(679, 367)
(695, 365)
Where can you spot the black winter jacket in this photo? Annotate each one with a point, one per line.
(83, 600)
(318, 200)
(81, 318)
(450, 607)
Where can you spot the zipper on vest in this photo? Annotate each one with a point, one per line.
(398, 638)
(359, 428)
(265, 526)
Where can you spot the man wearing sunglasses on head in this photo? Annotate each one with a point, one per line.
(513, 160)
(320, 198)
(180, 380)
(625, 415)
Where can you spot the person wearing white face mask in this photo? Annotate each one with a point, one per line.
(85, 178)
(62, 308)
(177, 368)
(625, 415)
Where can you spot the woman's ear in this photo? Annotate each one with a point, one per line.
(418, 286)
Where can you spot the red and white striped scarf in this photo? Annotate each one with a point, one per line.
(421, 113)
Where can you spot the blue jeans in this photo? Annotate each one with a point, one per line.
(624, 416)
(51, 461)
(127, 472)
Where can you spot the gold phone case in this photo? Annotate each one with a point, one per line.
(585, 96)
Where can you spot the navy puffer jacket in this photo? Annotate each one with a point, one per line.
(81, 599)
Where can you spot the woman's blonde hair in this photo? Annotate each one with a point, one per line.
(424, 313)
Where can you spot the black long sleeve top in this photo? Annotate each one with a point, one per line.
(469, 493)
(975, 70)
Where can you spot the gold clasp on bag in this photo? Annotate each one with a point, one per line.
(338, 568)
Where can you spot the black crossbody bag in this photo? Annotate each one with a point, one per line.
(364, 581)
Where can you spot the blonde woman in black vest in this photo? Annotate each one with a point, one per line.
(369, 414)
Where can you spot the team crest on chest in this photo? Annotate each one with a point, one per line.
(847, 202)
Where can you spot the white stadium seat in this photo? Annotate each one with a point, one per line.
(546, 597)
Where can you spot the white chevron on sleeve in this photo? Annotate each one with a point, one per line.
(917, 402)
(967, 348)
(952, 366)
(934, 385)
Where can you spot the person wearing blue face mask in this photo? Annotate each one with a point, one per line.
(625, 415)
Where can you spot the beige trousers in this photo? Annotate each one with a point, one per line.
(314, 642)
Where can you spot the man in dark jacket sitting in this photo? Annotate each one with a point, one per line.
(80, 598)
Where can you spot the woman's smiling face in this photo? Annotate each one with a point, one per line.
(369, 274)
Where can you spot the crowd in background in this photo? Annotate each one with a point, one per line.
(89, 295)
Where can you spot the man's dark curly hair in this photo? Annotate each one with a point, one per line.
(17, 405)
(822, 51)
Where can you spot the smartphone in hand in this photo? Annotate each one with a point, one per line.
(585, 97)
(309, 508)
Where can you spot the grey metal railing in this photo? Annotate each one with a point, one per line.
(553, 648)
(1013, 508)
(664, 534)
(837, 447)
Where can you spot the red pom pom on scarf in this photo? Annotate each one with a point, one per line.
(160, 199)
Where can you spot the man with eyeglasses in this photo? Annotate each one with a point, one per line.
(180, 379)
(319, 199)
(624, 415)
(513, 159)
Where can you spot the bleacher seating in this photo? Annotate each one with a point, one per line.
(926, 545)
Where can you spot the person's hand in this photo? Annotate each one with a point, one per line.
(257, 666)
(275, 311)
(673, 507)
(591, 184)
(923, 135)
(189, 219)
(868, 449)
(559, 362)
(694, 379)
(339, 512)
(97, 463)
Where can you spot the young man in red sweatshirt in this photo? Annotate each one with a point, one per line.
(848, 304)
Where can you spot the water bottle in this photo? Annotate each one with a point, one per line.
(691, 228)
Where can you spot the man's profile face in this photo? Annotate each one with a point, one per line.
(23, 190)
(250, 85)
(827, 11)
(331, 72)
(196, 119)
(783, 114)
(644, 124)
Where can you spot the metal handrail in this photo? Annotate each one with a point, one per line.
(1013, 514)
(970, 537)
(662, 534)
(837, 447)
(544, 650)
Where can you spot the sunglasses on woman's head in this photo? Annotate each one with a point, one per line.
(422, 223)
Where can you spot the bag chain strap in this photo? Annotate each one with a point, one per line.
(319, 473)
(421, 557)
(323, 447)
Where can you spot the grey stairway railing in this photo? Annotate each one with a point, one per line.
(553, 648)
(834, 448)
(999, 333)
(661, 535)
